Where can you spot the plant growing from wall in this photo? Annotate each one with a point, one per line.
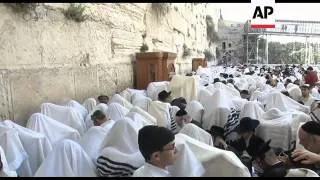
(144, 48)
(208, 55)
(186, 51)
(160, 9)
(22, 7)
(212, 35)
(27, 10)
(75, 12)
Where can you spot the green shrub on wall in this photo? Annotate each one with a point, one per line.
(186, 51)
(75, 12)
(144, 48)
(22, 7)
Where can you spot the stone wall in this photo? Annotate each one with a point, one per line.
(45, 57)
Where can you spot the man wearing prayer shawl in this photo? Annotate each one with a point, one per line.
(103, 99)
(311, 77)
(164, 96)
(157, 146)
(248, 140)
(309, 138)
(99, 118)
(306, 97)
(181, 119)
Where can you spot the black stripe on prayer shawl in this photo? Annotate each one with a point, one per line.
(107, 167)
(232, 122)
(173, 121)
(107, 173)
(314, 117)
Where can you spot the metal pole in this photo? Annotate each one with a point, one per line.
(267, 49)
(247, 48)
(257, 49)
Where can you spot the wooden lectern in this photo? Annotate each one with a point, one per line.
(196, 62)
(154, 66)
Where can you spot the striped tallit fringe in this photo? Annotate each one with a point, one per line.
(108, 168)
(232, 122)
(173, 122)
(314, 117)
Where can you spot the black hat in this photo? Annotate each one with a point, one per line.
(216, 131)
(247, 124)
(163, 95)
(181, 112)
(180, 102)
(259, 148)
(97, 115)
(311, 127)
(152, 139)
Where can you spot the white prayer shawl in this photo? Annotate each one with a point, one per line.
(129, 93)
(301, 172)
(81, 109)
(108, 125)
(280, 86)
(36, 145)
(298, 118)
(118, 99)
(242, 84)
(91, 141)
(5, 172)
(217, 108)
(52, 129)
(65, 115)
(315, 93)
(12, 147)
(290, 85)
(216, 162)
(295, 92)
(89, 104)
(116, 111)
(232, 91)
(239, 103)
(102, 107)
(185, 86)
(126, 94)
(203, 95)
(251, 109)
(282, 102)
(187, 164)
(120, 155)
(154, 88)
(141, 101)
(145, 114)
(195, 110)
(160, 111)
(197, 133)
(67, 159)
(276, 126)
(138, 119)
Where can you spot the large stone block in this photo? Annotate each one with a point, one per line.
(31, 88)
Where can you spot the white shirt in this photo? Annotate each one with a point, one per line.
(149, 170)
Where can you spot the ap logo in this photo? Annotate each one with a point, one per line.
(263, 14)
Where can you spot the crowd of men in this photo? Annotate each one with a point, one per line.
(130, 144)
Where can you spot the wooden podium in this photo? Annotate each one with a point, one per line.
(196, 62)
(154, 66)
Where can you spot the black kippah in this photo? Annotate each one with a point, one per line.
(181, 112)
(152, 139)
(311, 127)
